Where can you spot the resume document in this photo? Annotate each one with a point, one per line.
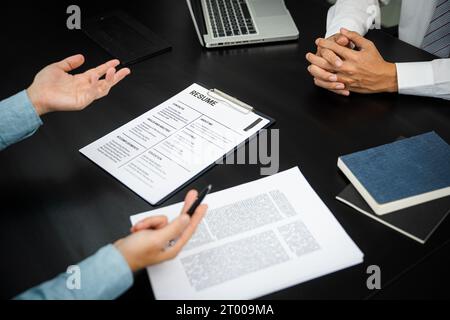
(165, 148)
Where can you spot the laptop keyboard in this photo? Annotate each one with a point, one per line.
(230, 18)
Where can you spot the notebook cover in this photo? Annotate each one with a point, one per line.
(418, 222)
(402, 169)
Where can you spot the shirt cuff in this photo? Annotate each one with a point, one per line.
(415, 78)
(18, 119)
(348, 24)
(105, 275)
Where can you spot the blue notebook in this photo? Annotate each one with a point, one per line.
(400, 174)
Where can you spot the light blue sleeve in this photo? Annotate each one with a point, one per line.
(18, 119)
(103, 276)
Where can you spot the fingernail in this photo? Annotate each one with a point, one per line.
(338, 63)
(340, 86)
(317, 41)
(333, 78)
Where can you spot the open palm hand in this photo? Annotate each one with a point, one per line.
(54, 89)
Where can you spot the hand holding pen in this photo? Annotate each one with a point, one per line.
(152, 239)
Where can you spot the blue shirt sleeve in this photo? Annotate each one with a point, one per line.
(103, 276)
(18, 119)
(106, 274)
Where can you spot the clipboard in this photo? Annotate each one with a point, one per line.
(232, 102)
(91, 151)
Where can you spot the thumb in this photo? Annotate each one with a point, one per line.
(356, 38)
(175, 228)
(71, 63)
(157, 222)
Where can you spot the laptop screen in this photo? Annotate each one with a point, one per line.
(196, 10)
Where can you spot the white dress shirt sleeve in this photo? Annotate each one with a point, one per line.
(354, 15)
(431, 79)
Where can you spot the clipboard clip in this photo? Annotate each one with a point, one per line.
(230, 101)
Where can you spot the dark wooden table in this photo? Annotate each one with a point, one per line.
(58, 208)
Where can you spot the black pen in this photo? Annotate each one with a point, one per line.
(199, 200)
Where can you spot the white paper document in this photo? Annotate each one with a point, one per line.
(255, 239)
(163, 149)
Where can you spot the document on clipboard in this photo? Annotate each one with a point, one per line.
(167, 147)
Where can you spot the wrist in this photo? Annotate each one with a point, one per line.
(391, 80)
(36, 100)
(127, 255)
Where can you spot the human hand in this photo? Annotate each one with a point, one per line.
(148, 243)
(324, 72)
(54, 89)
(363, 71)
(329, 55)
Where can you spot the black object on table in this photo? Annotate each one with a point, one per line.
(124, 38)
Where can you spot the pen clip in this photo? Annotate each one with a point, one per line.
(230, 101)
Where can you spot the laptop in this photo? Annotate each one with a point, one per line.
(221, 23)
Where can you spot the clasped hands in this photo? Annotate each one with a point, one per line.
(347, 62)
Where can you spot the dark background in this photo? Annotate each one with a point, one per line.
(58, 208)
